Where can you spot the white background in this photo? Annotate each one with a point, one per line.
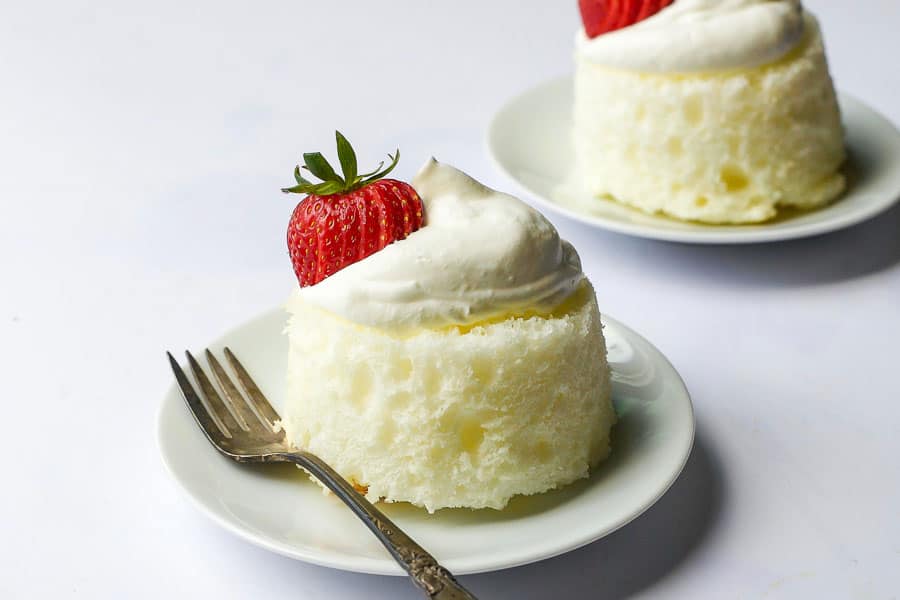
(142, 146)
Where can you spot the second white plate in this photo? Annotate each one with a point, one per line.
(276, 507)
(530, 141)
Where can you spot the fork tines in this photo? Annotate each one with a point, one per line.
(224, 417)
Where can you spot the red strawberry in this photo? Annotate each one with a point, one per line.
(345, 219)
(650, 8)
(628, 13)
(603, 16)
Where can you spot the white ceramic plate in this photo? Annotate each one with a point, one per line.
(529, 140)
(276, 507)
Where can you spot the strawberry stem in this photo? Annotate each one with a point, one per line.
(332, 183)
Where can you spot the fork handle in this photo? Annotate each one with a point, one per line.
(436, 581)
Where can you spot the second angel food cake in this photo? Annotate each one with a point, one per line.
(457, 367)
(718, 111)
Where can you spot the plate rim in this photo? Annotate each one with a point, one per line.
(711, 237)
(387, 566)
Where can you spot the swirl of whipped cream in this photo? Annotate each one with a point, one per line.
(700, 35)
(481, 254)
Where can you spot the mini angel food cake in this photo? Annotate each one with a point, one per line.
(718, 111)
(459, 366)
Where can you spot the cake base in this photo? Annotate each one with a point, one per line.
(460, 417)
(718, 148)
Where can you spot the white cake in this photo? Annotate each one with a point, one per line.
(456, 368)
(719, 111)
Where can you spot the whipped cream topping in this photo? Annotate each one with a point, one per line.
(480, 254)
(700, 35)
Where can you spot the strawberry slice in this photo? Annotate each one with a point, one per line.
(651, 7)
(592, 13)
(627, 14)
(619, 10)
(603, 16)
(612, 15)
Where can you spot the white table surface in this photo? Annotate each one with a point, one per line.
(142, 146)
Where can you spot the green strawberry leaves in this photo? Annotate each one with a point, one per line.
(316, 164)
(376, 174)
(332, 183)
(299, 177)
(347, 157)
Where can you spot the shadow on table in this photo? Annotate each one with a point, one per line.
(633, 558)
(861, 250)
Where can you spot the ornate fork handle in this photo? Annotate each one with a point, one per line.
(436, 581)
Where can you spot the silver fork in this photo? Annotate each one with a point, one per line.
(242, 428)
